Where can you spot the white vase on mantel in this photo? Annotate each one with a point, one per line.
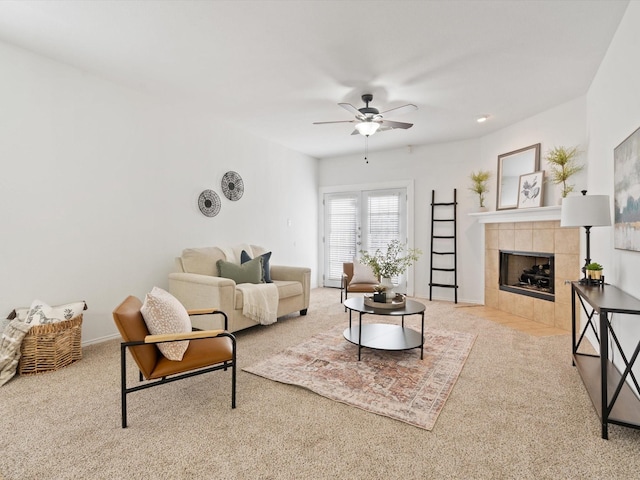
(388, 287)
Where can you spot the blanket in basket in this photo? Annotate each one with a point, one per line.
(10, 342)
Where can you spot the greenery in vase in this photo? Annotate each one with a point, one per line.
(391, 263)
(562, 161)
(594, 266)
(479, 184)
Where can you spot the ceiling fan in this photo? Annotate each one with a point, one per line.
(369, 120)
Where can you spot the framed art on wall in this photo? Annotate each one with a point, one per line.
(530, 190)
(232, 186)
(626, 180)
(209, 203)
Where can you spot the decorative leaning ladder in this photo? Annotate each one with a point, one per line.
(448, 242)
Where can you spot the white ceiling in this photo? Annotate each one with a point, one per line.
(275, 67)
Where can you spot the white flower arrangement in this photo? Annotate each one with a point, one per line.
(391, 263)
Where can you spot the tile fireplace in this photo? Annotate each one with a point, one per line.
(544, 242)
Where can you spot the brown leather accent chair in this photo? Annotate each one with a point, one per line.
(347, 287)
(209, 350)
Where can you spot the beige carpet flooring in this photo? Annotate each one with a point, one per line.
(518, 410)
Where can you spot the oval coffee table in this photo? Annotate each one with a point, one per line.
(384, 336)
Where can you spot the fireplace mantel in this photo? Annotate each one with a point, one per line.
(539, 214)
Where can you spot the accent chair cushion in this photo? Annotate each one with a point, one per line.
(163, 314)
(249, 272)
(266, 269)
(363, 274)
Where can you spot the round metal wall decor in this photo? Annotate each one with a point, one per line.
(209, 203)
(232, 186)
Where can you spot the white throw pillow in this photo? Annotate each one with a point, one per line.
(40, 313)
(163, 313)
(363, 274)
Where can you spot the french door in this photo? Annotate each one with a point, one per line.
(361, 220)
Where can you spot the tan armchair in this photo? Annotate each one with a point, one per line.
(209, 350)
(347, 287)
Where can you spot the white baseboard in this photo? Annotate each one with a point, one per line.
(101, 339)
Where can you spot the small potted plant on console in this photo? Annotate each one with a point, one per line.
(594, 272)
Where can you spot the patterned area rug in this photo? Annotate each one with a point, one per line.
(394, 384)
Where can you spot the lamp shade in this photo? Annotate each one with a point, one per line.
(585, 211)
(367, 128)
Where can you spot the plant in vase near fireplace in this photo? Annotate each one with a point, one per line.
(562, 162)
(479, 185)
(392, 263)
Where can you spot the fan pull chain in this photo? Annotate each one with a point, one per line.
(366, 148)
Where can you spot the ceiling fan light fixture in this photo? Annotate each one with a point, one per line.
(367, 128)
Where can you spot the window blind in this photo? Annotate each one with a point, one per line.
(342, 220)
(383, 220)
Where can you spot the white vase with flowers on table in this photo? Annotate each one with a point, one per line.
(389, 264)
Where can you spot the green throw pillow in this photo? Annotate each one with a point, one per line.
(249, 272)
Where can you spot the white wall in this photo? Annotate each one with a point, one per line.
(613, 113)
(99, 184)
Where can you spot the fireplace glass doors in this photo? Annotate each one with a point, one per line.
(528, 273)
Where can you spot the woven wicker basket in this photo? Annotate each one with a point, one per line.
(50, 347)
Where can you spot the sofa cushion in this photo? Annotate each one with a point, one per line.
(235, 252)
(163, 313)
(286, 289)
(202, 260)
(257, 250)
(245, 257)
(249, 272)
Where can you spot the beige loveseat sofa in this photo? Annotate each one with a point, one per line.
(197, 285)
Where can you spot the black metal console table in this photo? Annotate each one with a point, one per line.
(613, 398)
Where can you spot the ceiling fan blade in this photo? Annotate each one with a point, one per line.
(389, 123)
(337, 121)
(355, 132)
(351, 109)
(403, 109)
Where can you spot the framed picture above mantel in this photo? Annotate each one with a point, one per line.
(530, 190)
(511, 166)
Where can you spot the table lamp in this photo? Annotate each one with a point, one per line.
(586, 211)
